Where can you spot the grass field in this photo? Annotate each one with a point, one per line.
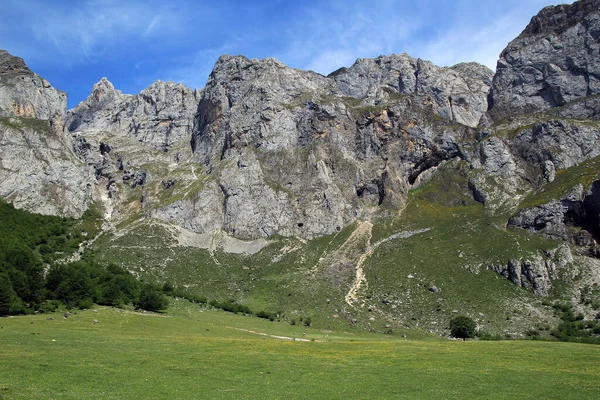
(189, 354)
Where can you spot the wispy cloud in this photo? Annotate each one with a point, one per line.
(474, 43)
(97, 27)
(445, 32)
(324, 40)
(193, 69)
(152, 24)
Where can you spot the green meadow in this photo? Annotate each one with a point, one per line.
(191, 353)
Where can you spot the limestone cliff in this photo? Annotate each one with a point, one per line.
(25, 94)
(266, 150)
(554, 61)
(38, 171)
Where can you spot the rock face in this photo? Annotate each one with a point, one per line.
(556, 219)
(553, 218)
(295, 154)
(525, 154)
(160, 115)
(537, 271)
(458, 93)
(25, 94)
(266, 150)
(39, 173)
(555, 60)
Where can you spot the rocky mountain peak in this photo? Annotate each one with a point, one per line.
(25, 94)
(229, 67)
(237, 75)
(557, 19)
(458, 94)
(475, 71)
(10, 64)
(160, 115)
(100, 90)
(553, 62)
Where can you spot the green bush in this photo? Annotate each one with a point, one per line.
(266, 315)
(462, 327)
(574, 328)
(168, 288)
(233, 307)
(152, 299)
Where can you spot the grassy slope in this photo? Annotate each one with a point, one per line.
(453, 256)
(201, 355)
(565, 180)
(272, 280)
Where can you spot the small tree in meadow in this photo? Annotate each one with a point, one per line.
(462, 327)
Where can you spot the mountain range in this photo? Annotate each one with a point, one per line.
(393, 192)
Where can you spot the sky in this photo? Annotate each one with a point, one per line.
(74, 43)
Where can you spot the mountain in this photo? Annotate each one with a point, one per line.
(281, 187)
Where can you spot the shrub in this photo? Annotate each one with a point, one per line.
(152, 299)
(49, 306)
(462, 327)
(167, 288)
(266, 315)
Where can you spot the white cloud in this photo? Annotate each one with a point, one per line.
(193, 69)
(325, 41)
(471, 39)
(470, 43)
(96, 27)
(152, 24)
(445, 32)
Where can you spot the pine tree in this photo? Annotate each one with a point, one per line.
(6, 294)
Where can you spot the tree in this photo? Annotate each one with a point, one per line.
(6, 293)
(168, 288)
(462, 327)
(152, 299)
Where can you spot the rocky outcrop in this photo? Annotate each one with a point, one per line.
(25, 94)
(537, 271)
(458, 93)
(524, 154)
(531, 273)
(564, 143)
(39, 173)
(554, 61)
(553, 218)
(161, 115)
(559, 218)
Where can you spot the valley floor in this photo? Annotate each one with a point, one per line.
(193, 354)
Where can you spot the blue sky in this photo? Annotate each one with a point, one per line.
(74, 43)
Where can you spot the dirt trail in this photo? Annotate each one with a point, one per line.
(363, 230)
(275, 336)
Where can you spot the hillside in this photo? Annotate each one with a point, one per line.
(392, 194)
